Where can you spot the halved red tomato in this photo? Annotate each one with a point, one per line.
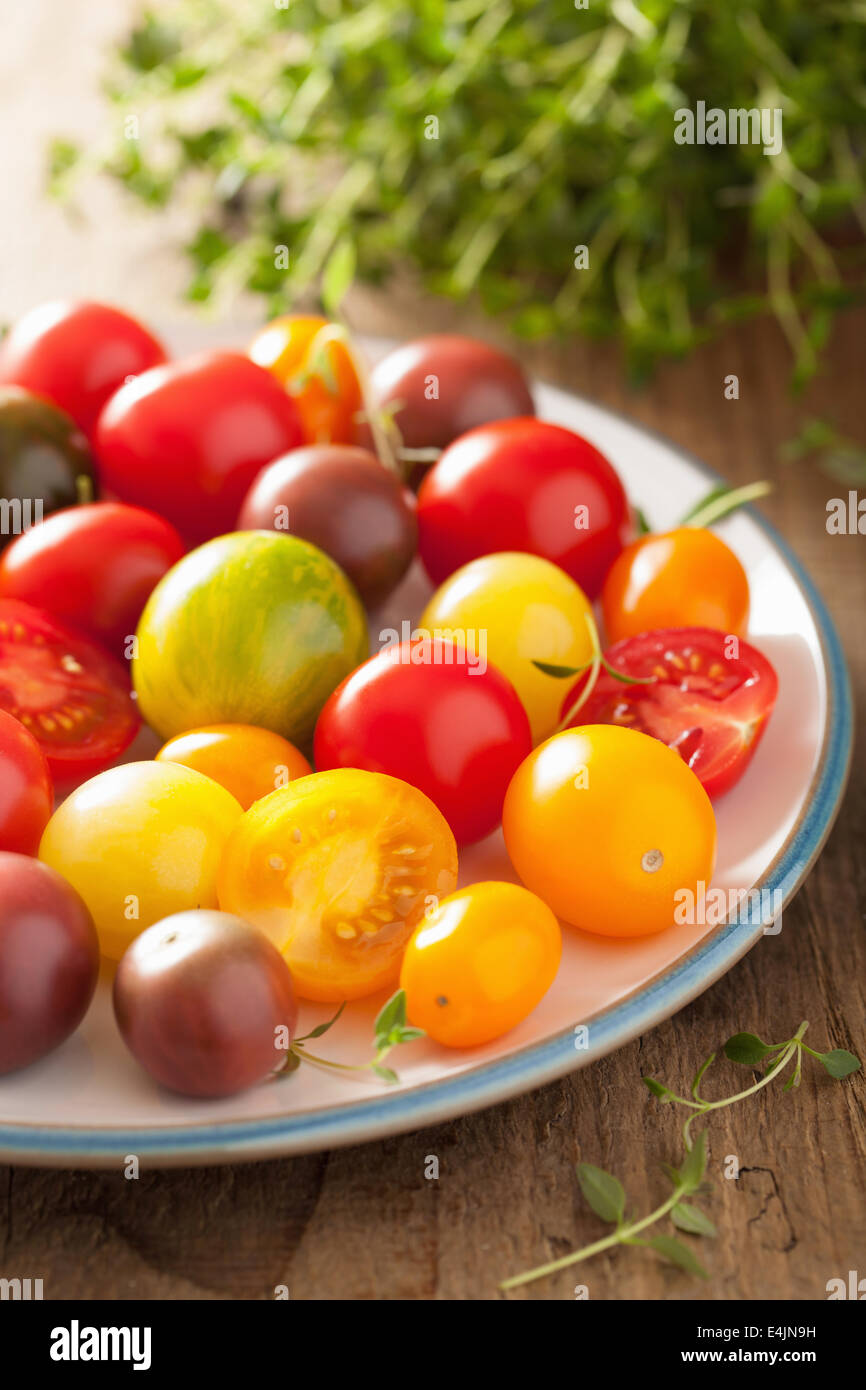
(72, 696)
(708, 696)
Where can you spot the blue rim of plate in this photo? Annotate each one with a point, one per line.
(536, 1064)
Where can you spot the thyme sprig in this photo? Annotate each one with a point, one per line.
(390, 1030)
(606, 1194)
(484, 145)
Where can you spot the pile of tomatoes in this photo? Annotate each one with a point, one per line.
(254, 512)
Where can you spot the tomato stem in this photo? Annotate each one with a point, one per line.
(419, 455)
(780, 1063)
(622, 1235)
(300, 1051)
(721, 502)
(595, 667)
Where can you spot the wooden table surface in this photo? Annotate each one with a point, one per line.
(365, 1223)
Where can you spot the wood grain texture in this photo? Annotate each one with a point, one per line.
(364, 1223)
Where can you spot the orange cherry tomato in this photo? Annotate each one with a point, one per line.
(609, 826)
(339, 869)
(480, 963)
(327, 407)
(249, 762)
(682, 578)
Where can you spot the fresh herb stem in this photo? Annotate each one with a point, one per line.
(622, 1236)
(703, 1107)
(606, 1194)
(723, 501)
(390, 1030)
(594, 666)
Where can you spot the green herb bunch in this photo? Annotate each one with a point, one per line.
(481, 141)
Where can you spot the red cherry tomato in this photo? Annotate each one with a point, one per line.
(523, 485)
(72, 696)
(708, 699)
(187, 439)
(26, 793)
(77, 355)
(94, 566)
(420, 712)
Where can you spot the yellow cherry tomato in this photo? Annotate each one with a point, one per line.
(608, 826)
(249, 762)
(682, 578)
(140, 842)
(517, 609)
(320, 379)
(338, 869)
(480, 963)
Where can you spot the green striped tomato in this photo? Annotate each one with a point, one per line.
(251, 628)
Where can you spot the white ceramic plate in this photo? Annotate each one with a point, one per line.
(89, 1104)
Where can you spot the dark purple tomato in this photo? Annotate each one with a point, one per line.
(49, 960)
(344, 501)
(448, 384)
(45, 461)
(205, 1003)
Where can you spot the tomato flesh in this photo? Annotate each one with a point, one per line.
(709, 698)
(70, 694)
(339, 868)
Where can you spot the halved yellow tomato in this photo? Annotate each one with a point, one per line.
(339, 868)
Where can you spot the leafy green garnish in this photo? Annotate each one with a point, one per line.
(520, 152)
(839, 1063)
(390, 1030)
(839, 456)
(746, 1048)
(337, 276)
(678, 1254)
(605, 1193)
(322, 1028)
(692, 1219)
